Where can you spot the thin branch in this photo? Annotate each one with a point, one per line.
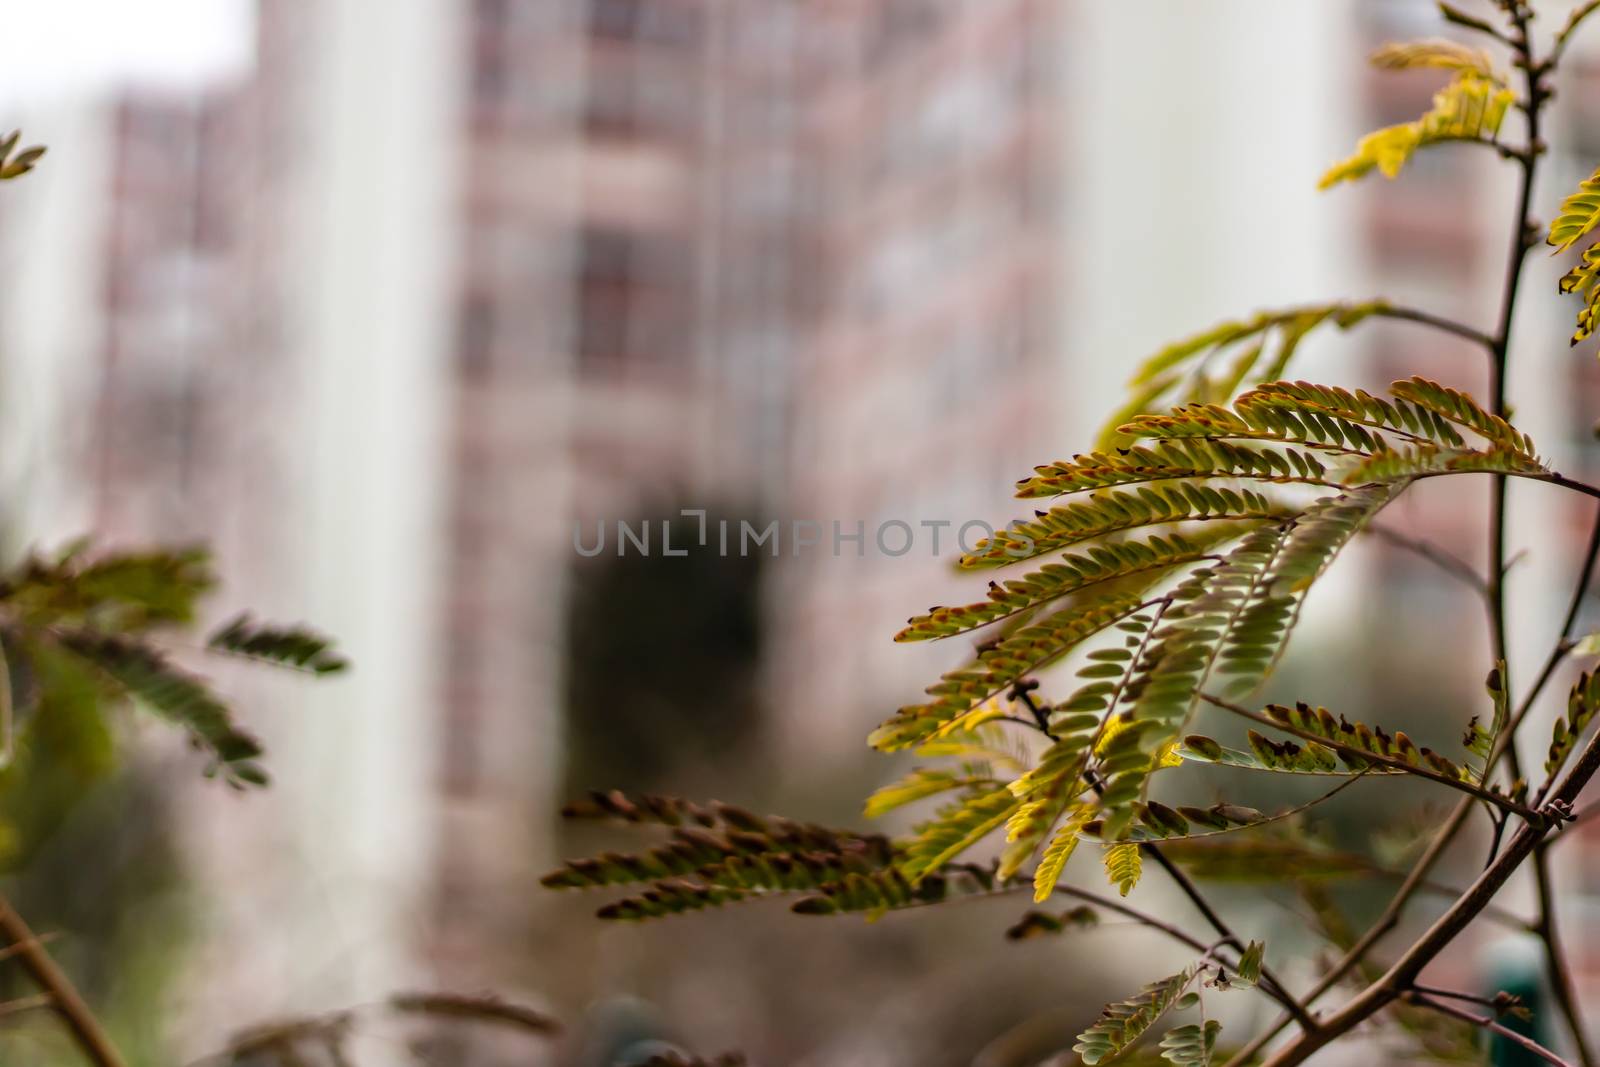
(1496, 1002)
(1564, 35)
(1504, 803)
(1190, 890)
(1556, 967)
(81, 1022)
(1440, 322)
(1448, 562)
(1488, 1023)
(25, 1004)
(1130, 912)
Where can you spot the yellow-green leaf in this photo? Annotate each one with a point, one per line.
(1123, 866)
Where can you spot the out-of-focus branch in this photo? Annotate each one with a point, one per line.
(85, 1028)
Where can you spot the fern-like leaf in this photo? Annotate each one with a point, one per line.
(1585, 280)
(1071, 574)
(1461, 409)
(958, 694)
(1192, 1044)
(1405, 463)
(1579, 213)
(957, 827)
(1169, 460)
(1059, 851)
(1124, 864)
(1471, 107)
(14, 164)
(1232, 619)
(1045, 924)
(1257, 349)
(1438, 53)
(1114, 511)
(145, 675)
(1355, 738)
(1282, 758)
(1158, 822)
(121, 592)
(1121, 1025)
(669, 898)
(1582, 702)
(288, 646)
(1253, 858)
(648, 808)
(1048, 789)
(920, 784)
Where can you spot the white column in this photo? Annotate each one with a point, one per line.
(372, 287)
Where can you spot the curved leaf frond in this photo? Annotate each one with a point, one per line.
(1421, 460)
(1114, 511)
(673, 897)
(1461, 409)
(288, 646)
(957, 828)
(1124, 864)
(1058, 852)
(1192, 1044)
(1471, 107)
(1256, 349)
(1584, 279)
(959, 694)
(1437, 52)
(920, 784)
(145, 675)
(1583, 701)
(1097, 565)
(1122, 1024)
(1233, 620)
(1282, 758)
(1354, 738)
(14, 164)
(1249, 858)
(1170, 460)
(1579, 213)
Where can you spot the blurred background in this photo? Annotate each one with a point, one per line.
(403, 306)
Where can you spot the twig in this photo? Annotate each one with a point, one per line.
(1190, 890)
(1450, 563)
(1488, 1023)
(1494, 1002)
(1555, 958)
(23, 1004)
(1439, 322)
(81, 1022)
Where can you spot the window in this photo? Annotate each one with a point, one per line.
(634, 299)
(475, 339)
